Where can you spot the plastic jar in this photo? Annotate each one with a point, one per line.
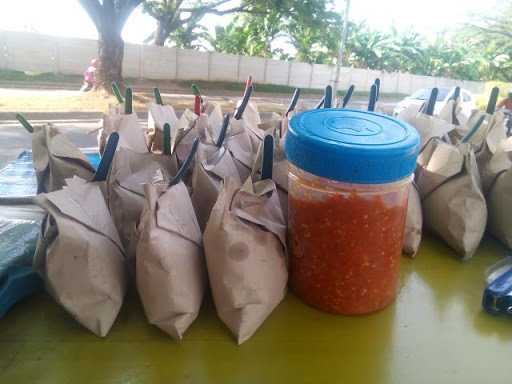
(348, 185)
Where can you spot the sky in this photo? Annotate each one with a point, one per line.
(67, 18)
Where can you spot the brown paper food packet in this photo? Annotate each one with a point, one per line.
(413, 223)
(495, 164)
(494, 123)
(214, 113)
(158, 116)
(183, 137)
(446, 113)
(280, 163)
(131, 134)
(240, 145)
(171, 272)
(499, 202)
(244, 245)
(427, 126)
(107, 124)
(56, 159)
(258, 132)
(251, 116)
(212, 166)
(493, 155)
(130, 171)
(453, 204)
(80, 255)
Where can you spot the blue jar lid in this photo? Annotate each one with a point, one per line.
(352, 146)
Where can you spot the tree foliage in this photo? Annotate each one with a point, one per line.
(178, 20)
(481, 50)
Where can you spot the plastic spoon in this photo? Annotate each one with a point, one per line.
(198, 100)
(106, 159)
(245, 100)
(473, 130)
(267, 161)
(293, 102)
(186, 165)
(128, 108)
(320, 103)
(429, 109)
(328, 97)
(377, 84)
(25, 123)
(248, 83)
(167, 139)
(491, 108)
(223, 130)
(117, 93)
(493, 99)
(455, 97)
(158, 97)
(348, 96)
(373, 98)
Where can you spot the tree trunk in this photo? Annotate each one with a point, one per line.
(111, 52)
(161, 34)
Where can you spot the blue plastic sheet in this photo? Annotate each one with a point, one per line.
(18, 178)
(20, 224)
(19, 230)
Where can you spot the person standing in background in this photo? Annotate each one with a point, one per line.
(90, 76)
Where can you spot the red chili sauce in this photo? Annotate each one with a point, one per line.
(345, 252)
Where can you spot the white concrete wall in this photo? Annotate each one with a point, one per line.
(223, 67)
(132, 60)
(254, 66)
(73, 53)
(192, 65)
(322, 75)
(300, 75)
(33, 52)
(277, 72)
(158, 62)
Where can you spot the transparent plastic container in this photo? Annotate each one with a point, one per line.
(349, 176)
(345, 242)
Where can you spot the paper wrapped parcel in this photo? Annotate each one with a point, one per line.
(495, 165)
(246, 256)
(171, 271)
(213, 164)
(80, 255)
(131, 134)
(130, 171)
(56, 159)
(413, 223)
(454, 206)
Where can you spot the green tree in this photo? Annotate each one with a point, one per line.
(310, 26)
(490, 36)
(249, 34)
(109, 17)
(178, 19)
(314, 30)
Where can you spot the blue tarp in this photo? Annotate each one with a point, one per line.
(18, 178)
(19, 230)
(19, 224)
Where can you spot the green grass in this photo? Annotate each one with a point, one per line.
(48, 77)
(208, 87)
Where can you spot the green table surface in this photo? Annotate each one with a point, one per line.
(435, 332)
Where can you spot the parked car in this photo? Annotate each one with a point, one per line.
(423, 94)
